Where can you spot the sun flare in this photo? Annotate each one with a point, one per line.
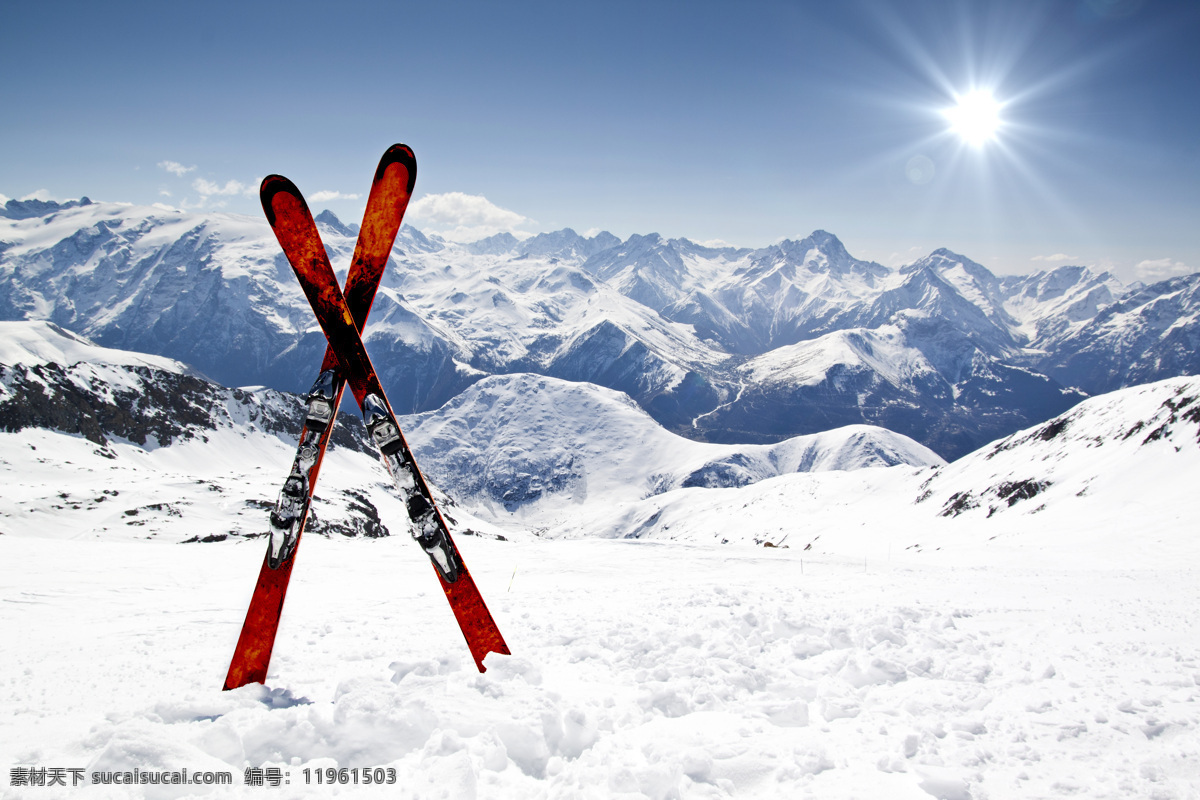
(975, 117)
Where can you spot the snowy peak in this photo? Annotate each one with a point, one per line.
(950, 295)
(816, 263)
(820, 252)
(27, 209)
(494, 245)
(564, 245)
(970, 280)
(1050, 304)
(647, 269)
(411, 240)
(328, 221)
(1051, 285)
(1149, 332)
(567, 245)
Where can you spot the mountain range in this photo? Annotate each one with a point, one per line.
(106, 444)
(721, 345)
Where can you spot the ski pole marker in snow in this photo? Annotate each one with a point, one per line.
(297, 233)
(390, 192)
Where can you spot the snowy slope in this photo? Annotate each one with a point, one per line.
(1108, 484)
(1114, 475)
(36, 342)
(522, 451)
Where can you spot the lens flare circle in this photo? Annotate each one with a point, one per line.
(975, 117)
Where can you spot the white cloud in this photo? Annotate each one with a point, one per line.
(463, 217)
(326, 196)
(41, 194)
(4, 199)
(1057, 258)
(714, 243)
(175, 168)
(1160, 269)
(207, 188)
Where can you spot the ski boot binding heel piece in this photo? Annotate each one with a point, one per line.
(433, 541)
(380, 425)
(320, 402)
(285, 518)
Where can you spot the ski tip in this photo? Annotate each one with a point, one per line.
(273, 185)
(399, 154)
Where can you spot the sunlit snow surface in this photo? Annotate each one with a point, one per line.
(639, 669)
(917, 633)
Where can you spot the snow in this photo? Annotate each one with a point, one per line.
(879, 648)
(1018, 623)
(638, 669)
(535, 451)
(1108, 485)
(884, 351)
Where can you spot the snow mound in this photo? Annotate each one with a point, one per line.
(532, 448)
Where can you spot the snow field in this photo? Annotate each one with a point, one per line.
(926, 633)
(639, 670)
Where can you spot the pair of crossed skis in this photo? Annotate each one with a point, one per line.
(342, 315)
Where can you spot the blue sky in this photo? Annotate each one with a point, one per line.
(742, 122)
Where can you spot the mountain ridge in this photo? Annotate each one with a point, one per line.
(667, 321)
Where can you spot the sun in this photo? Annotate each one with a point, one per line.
(975, 117)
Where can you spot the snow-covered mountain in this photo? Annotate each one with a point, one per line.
(1050, 303)
(1124, 448)
(535, 449)
(1000, 626)
(719, 344)
(86, 425)
(107, 444)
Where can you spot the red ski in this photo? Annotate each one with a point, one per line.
(390, 193)
(293, 224)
